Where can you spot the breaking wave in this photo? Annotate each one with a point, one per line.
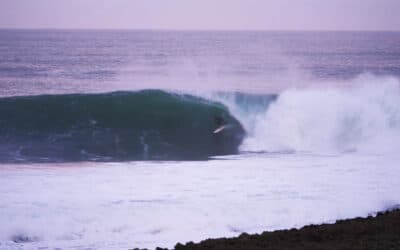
(142, 125)
(364, 115)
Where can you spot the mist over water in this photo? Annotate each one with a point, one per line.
(51, 61)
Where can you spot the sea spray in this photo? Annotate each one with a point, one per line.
(363, 116)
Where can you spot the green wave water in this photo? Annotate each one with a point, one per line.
(118, 126)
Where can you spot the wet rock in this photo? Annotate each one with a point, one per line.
(380, 232)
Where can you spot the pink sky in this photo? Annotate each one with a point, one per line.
(202, 14)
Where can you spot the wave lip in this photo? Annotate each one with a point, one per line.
(118, 126)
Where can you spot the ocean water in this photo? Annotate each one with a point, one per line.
(108, 139)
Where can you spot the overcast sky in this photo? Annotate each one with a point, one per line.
(202, 14)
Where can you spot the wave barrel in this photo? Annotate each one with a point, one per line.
(118, 126)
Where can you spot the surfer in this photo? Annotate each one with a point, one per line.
(220, 123)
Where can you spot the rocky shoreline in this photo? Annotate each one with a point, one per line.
(379, 232)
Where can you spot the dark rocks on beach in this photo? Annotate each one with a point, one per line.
(380, 232)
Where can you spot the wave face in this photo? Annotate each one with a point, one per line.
(364, 117)
(143, 125)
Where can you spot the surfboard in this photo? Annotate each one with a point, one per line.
(219, 129)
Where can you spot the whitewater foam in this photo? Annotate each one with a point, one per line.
(365, 116)
(147, 204)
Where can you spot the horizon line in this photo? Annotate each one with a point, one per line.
(198, 30)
